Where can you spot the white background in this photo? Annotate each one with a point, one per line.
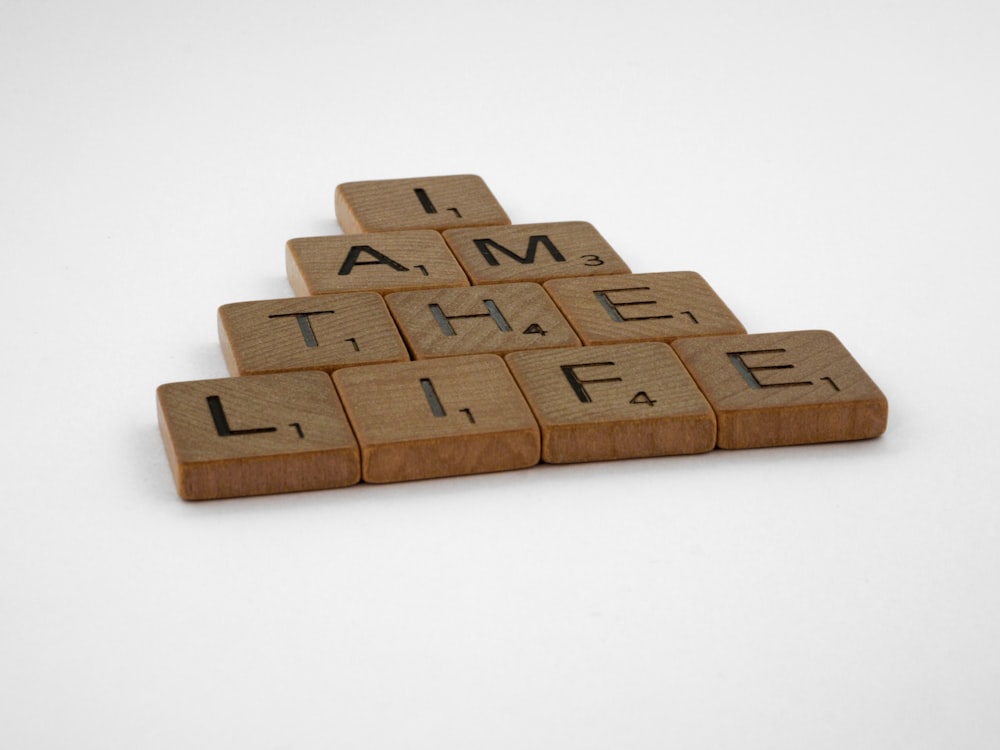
(824, 165)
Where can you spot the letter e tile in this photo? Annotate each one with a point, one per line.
(256, 435)
(642, 307)
(789, 388)
(599, 403)
(438, 418)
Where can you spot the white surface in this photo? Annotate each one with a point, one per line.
(824, 165)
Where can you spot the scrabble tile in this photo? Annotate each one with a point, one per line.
(379, 262)
(599, 403)
(417, 203)
(533, 252)
(438, 418)
(256, 435)
(308, 333)
(642, 307)
(496, 318)
(789, 388)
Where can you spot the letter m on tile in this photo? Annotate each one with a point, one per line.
(487, 246)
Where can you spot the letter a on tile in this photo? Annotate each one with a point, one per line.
(380, 259)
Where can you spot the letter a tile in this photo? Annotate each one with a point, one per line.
(256, 435)
(788, 388)
(379, 262)
(417, 203)
(438, 418)
(598, 403)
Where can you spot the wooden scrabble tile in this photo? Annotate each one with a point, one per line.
(598, 403)
(533, 252)
(417, 203)
(642, 307)
(378, 262)
(772, 389)
(256, 435)
(496, 318)
(308, 333)
(437, 418)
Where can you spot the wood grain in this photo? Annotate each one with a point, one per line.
(437, 418)
(599, 403)
(789, 388)
(533, 252)
(308, 333)
(256, 435)
(378, 262)
(642, 307)
(439, 203)
(494, 318)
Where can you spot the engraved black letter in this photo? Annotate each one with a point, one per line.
(612, 307)
(352, 260)
(577, 385)
(222, 424)
(444, 321)
(748, 372)
(308, 335)
(425, 201)
(529, 254)
(437, 408)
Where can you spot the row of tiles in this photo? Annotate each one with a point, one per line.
(421, 259)
(329, 331)
(479, 413)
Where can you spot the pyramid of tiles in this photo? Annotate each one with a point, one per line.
(435, 338)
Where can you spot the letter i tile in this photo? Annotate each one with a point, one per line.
(256, 435)
(435, 203)
(770, 389)
(438, 418)
(599, 403)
